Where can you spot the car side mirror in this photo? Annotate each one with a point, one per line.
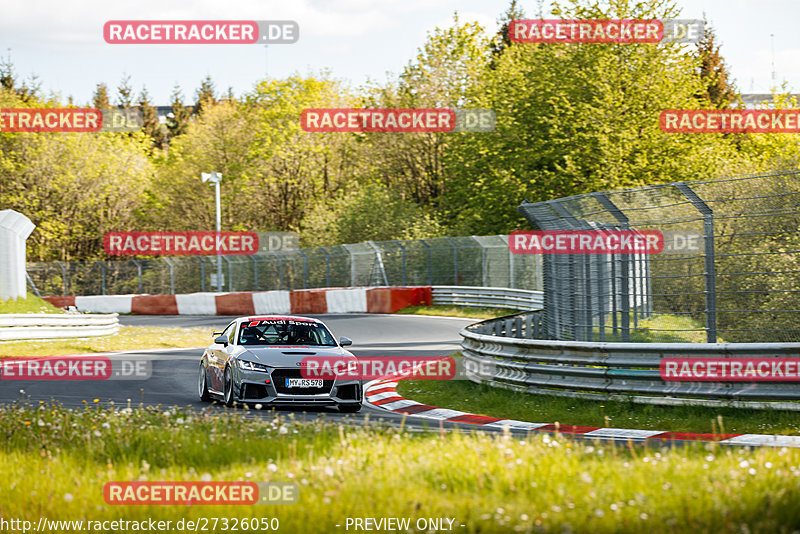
(221, 340)
(345, 341)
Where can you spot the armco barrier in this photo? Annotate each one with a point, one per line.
(54, 325)
(305, 301)
(505, 353)
(488, 297)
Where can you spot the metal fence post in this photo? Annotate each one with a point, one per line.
(139, 274)
(221, 287)
(172, 275)
(202, 273)
(280, 270)
(710, 272)
(624, 222)
(63, 277)
(305, 268)
(102, 277)
(352, 267)
(512, 282)
(455, 261)
(327, 267)
(402, 260)
(428, 254)
(255, 272)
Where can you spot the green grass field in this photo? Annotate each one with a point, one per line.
(128, 338)
(56, 462)
(30, 304)
(458, 311)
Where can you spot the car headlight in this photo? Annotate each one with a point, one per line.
(251, 366)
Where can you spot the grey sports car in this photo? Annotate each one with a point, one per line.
(257, 360)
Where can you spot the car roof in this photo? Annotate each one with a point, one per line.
(279, 318)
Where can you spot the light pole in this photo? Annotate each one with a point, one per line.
(215, 178)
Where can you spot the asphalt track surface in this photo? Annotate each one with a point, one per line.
(174, 372)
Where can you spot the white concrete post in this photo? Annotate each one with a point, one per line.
(14, 231)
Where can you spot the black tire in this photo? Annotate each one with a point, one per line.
(227, 388)
(202, 387)
(349, 408)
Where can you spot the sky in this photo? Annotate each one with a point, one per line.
(357, 41)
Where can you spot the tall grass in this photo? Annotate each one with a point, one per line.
(56, 462)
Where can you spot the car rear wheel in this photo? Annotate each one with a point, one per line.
(349, 408)
(202, 388)
(228, 388)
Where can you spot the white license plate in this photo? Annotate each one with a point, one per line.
(303, 383)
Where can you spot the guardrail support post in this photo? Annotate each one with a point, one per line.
(710, 273)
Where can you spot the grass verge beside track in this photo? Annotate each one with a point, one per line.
(489, 483)
(30, 304)
(485, 400)
(458, 311)
(128, 338)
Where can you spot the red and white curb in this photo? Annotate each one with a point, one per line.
(388, 299)
(383, 394)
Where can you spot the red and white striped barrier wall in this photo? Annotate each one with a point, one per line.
(383, 394)
(298, 302)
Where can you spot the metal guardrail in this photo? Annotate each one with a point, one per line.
(18, 326)
(507, 352)
(488, 297)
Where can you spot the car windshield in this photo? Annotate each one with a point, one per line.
(284, 332)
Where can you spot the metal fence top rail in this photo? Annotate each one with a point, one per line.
(656, 187)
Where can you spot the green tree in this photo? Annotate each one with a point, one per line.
(125, 92)
(178, 120)
(444, 74)
(501, 40)
(205, 96)
(718, 90)
(150, 124)
(100, 97)
(374, 212)
(574, 118)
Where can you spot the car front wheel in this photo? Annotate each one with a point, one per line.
(228, 388)
(202, 388)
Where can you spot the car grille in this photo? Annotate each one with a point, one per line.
(350, 391)
(279, 377)
(254, 391)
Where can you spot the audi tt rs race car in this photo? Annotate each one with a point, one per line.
(261, 360)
